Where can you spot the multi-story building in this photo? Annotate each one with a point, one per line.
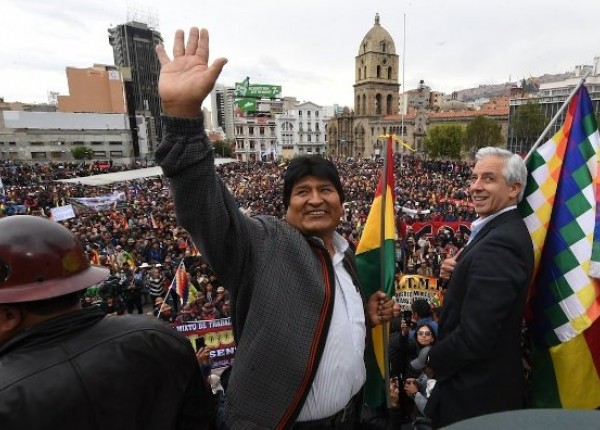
(133, 46)
(302, 130)
(550, 99)
(222, 102)
(255, 137)
(49, 136)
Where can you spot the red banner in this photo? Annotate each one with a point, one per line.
(433, 228)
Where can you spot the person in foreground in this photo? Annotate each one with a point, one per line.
(64, 367)
(298, 313)
(477, 358)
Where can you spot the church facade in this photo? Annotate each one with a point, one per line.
(356, 133)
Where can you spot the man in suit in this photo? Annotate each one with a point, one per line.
(477, 359)
(299, 316)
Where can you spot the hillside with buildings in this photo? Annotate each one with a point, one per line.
(489, 91)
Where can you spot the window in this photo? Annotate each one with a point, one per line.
(97, 142)
(78, 142)
(116, 153)
(56, 155)
(316, 114)
(38, 155)
(378, 104)
(115, 142)
(261, 131)
(36, 143)
(99, 153)
(299, 113)
(308, 113)
(12, 143)
(251, 131)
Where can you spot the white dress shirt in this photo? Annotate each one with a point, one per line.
(479, 223)
(341, 373)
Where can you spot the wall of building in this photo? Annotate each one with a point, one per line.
(97, 89)
(50, 136)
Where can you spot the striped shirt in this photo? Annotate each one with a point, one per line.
(155, 285)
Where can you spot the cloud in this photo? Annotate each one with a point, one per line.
(309, 49)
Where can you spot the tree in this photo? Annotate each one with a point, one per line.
(222, 149)
(82, 152)
(528, 123)
(482, 132)
(445, 141)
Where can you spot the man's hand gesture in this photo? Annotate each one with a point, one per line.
(187, 79)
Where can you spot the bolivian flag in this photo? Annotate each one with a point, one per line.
(375, 265)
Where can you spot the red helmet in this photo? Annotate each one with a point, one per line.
(40, 259)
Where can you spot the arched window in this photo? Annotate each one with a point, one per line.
(359, 72)
(378, 71)
(364, 105)
(389, 73)
(358, 105)
(378, 104)
(389, 105)
(383, 46)
(365, 72)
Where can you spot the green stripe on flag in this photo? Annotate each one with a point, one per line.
(368, 264)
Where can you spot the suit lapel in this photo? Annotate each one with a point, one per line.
(500, 219)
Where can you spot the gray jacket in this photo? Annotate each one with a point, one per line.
(281, 283)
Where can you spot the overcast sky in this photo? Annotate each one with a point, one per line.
(308, 47)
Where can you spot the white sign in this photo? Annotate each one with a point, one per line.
(62, 213)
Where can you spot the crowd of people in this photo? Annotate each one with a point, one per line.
(144, 229)
(139, 241)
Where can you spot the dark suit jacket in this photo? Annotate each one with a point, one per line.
(477, 359)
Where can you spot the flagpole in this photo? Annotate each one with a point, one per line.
(169, 289)
(385, 324)
(555, 118)
(403, 98)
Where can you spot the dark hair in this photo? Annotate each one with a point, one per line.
(49, 306)
(310, 165)
(422, 308)
(429, 326)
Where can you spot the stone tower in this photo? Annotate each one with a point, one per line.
(376, 88)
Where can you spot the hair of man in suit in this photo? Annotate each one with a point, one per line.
(514, 170)
(310, 165)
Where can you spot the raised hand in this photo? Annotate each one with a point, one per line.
(448, 266)
(187, 79)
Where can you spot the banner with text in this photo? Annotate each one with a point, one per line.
(412, 287)
(62, 213)
(217, 335)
